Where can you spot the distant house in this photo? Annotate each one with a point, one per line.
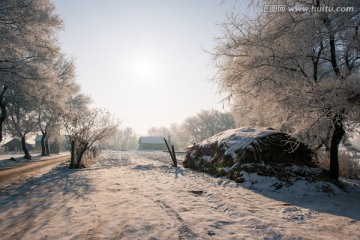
(152, 143)
(14, 145)
(55, 147)
(38, 142)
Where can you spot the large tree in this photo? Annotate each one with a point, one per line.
(21, 122)
(28, 44)
(297, 71)
(51, 99)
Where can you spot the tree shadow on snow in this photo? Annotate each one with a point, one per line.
(163, 168)
(340, 200)
(36, 196)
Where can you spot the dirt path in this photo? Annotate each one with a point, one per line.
(10, 174)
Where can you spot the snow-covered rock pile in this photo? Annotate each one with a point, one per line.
(237, 152)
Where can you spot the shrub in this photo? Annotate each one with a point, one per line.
(90, 156)
(349, 164)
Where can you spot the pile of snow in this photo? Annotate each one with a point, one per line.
(243, 153)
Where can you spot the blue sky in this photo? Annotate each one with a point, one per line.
(143, 60)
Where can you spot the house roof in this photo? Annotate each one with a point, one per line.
(14, 141)
(152, 140)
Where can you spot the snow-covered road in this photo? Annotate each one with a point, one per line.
(138, 195)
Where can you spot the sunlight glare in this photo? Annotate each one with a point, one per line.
(145, 71)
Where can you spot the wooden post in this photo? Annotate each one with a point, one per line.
(172, 153)
(174, 156)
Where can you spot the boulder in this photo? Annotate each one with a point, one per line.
(264, 151)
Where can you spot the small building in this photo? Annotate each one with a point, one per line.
(55, 147)
(152, 143)
(14, 145)
(38, 143)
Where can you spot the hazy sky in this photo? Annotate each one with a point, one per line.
(143, 60)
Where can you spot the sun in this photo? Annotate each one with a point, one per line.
(145, 71)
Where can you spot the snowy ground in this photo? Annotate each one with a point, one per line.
(131, 195)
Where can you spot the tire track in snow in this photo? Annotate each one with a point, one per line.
(141, 162)
(184, 230)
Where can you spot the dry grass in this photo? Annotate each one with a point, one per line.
(89, 158)
(349, 166)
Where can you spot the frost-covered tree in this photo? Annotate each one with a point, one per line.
(123, 139)
(205, 124)
(51, 99)
(196, 128)
(27, 46)
(171, 133)
(159, 131)
(84, 128)
(37, 106)
(297, 71)
(21, 122)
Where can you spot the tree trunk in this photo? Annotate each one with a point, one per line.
(3, 111)
(23, 145)
(73, 154)
(2, 120)
(43, 147)
(338, 135)
(47, 148)
(334, 62)
(79, 160)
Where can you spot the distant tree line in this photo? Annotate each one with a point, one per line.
(195, 128)
(122, 139)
